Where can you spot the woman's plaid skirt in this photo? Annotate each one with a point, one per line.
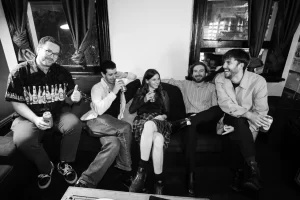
(163, 126)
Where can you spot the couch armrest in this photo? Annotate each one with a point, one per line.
(7, 148)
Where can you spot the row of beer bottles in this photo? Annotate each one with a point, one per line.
(43, 95)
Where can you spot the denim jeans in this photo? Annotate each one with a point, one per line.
(27, 137)
(115, 137)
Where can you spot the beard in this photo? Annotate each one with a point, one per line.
(198, 79)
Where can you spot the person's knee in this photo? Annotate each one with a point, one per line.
(73, 124)
(149, 125)
(113, 146)
(126, 128)
(158, 141)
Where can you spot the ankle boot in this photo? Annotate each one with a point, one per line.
(191, 184)
(254, 181)
(179, 124)
(158, 188)
(138, 181)
(237, 181)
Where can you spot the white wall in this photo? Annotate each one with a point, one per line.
(151, 34)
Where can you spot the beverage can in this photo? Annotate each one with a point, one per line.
(152, 99)
(47, 117)
(123, 88)
(270, 120)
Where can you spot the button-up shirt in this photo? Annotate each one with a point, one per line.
(251, 95)
(102, 98)
(197, 96)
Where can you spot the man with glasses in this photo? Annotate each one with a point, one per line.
(38, 86)
(243, 96)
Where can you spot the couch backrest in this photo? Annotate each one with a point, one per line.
(177, 108)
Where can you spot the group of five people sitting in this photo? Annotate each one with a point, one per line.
(237, 98)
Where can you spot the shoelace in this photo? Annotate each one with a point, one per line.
(67, 169)
(43, 175)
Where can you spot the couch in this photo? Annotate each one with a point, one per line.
(10, 158)
(208, 141)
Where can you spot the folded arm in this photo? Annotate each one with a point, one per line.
(99, 103)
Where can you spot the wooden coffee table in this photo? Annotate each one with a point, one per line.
(76, 193)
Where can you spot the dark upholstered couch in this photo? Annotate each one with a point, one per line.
(207, 141)
(13, 165)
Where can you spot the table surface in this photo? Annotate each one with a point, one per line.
(76, 193)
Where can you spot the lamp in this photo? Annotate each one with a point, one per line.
(64, 26)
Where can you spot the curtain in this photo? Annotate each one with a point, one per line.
(79, 14)
(15, 12)
(286, 24)
(199, 10)
(103, 30)
(259, 13)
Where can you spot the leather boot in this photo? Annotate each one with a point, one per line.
(179, 124)
(138, 181)
(254, 181)
(237, 181)
(191, 184)
(158, 188)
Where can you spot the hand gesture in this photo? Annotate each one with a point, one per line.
(118, 85)
(76, 95)
(41, 124)
(258, 120)
(150, 95)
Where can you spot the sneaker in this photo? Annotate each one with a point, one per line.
(67, 171)
(44, 180)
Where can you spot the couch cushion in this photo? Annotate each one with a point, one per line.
(177, 108)
(7, 147)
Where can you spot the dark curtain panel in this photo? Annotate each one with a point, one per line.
(79, 14)
(286, 24)
(15, 12)
(259, 13)
(103, 30)
(199, 10)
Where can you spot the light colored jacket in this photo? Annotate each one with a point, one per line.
(251, 95)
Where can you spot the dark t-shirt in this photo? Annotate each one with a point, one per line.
(161, 105)
(39, 91)
(114, 108)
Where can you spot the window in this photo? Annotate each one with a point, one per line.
(226, 20)
(225, 26)
(48, 18)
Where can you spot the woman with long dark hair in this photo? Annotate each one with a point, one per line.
(150, 128)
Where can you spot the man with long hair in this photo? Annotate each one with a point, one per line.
(201, 106)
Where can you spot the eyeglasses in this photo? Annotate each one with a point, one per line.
(50, 53)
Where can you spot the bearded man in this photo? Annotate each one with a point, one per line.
(202, 108)
(243, 96)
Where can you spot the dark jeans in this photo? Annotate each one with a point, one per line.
(27, 137)
(239, 143)
(210, 116)
(115, 137)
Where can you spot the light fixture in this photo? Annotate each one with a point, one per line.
(65, 26)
